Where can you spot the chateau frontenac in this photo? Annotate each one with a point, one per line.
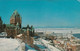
(14, 29)
(15, 18)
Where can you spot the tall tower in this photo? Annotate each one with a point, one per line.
(15, 18)
(29, 35)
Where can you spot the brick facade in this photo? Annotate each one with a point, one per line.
(15, 18)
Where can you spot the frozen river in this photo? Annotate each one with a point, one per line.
(58, 30)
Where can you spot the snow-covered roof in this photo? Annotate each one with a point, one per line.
(9, 45)
(50, 47)
(3, 34)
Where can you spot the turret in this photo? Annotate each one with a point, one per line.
(28, 30)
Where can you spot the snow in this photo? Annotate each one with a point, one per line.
(45, 45)
(40, 45)
(50, 47)
(9, 45)
(3, 34)
(57, 30)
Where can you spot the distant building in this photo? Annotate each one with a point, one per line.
(1, 27)
(40, 33)
(15, 18)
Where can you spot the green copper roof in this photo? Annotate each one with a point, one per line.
(15, 14)
(10, 25)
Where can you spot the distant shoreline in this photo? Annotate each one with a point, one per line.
(57, 27)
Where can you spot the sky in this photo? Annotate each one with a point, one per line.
(45, 13)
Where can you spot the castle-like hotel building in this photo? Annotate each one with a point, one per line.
(14, 28)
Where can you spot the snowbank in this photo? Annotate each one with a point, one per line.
(9, 45)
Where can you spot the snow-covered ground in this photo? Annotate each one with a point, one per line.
(9, 45)
(45, 45)
(50, 47)
(58, 30)
(41, 46)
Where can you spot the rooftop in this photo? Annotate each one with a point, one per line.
(15, 14)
